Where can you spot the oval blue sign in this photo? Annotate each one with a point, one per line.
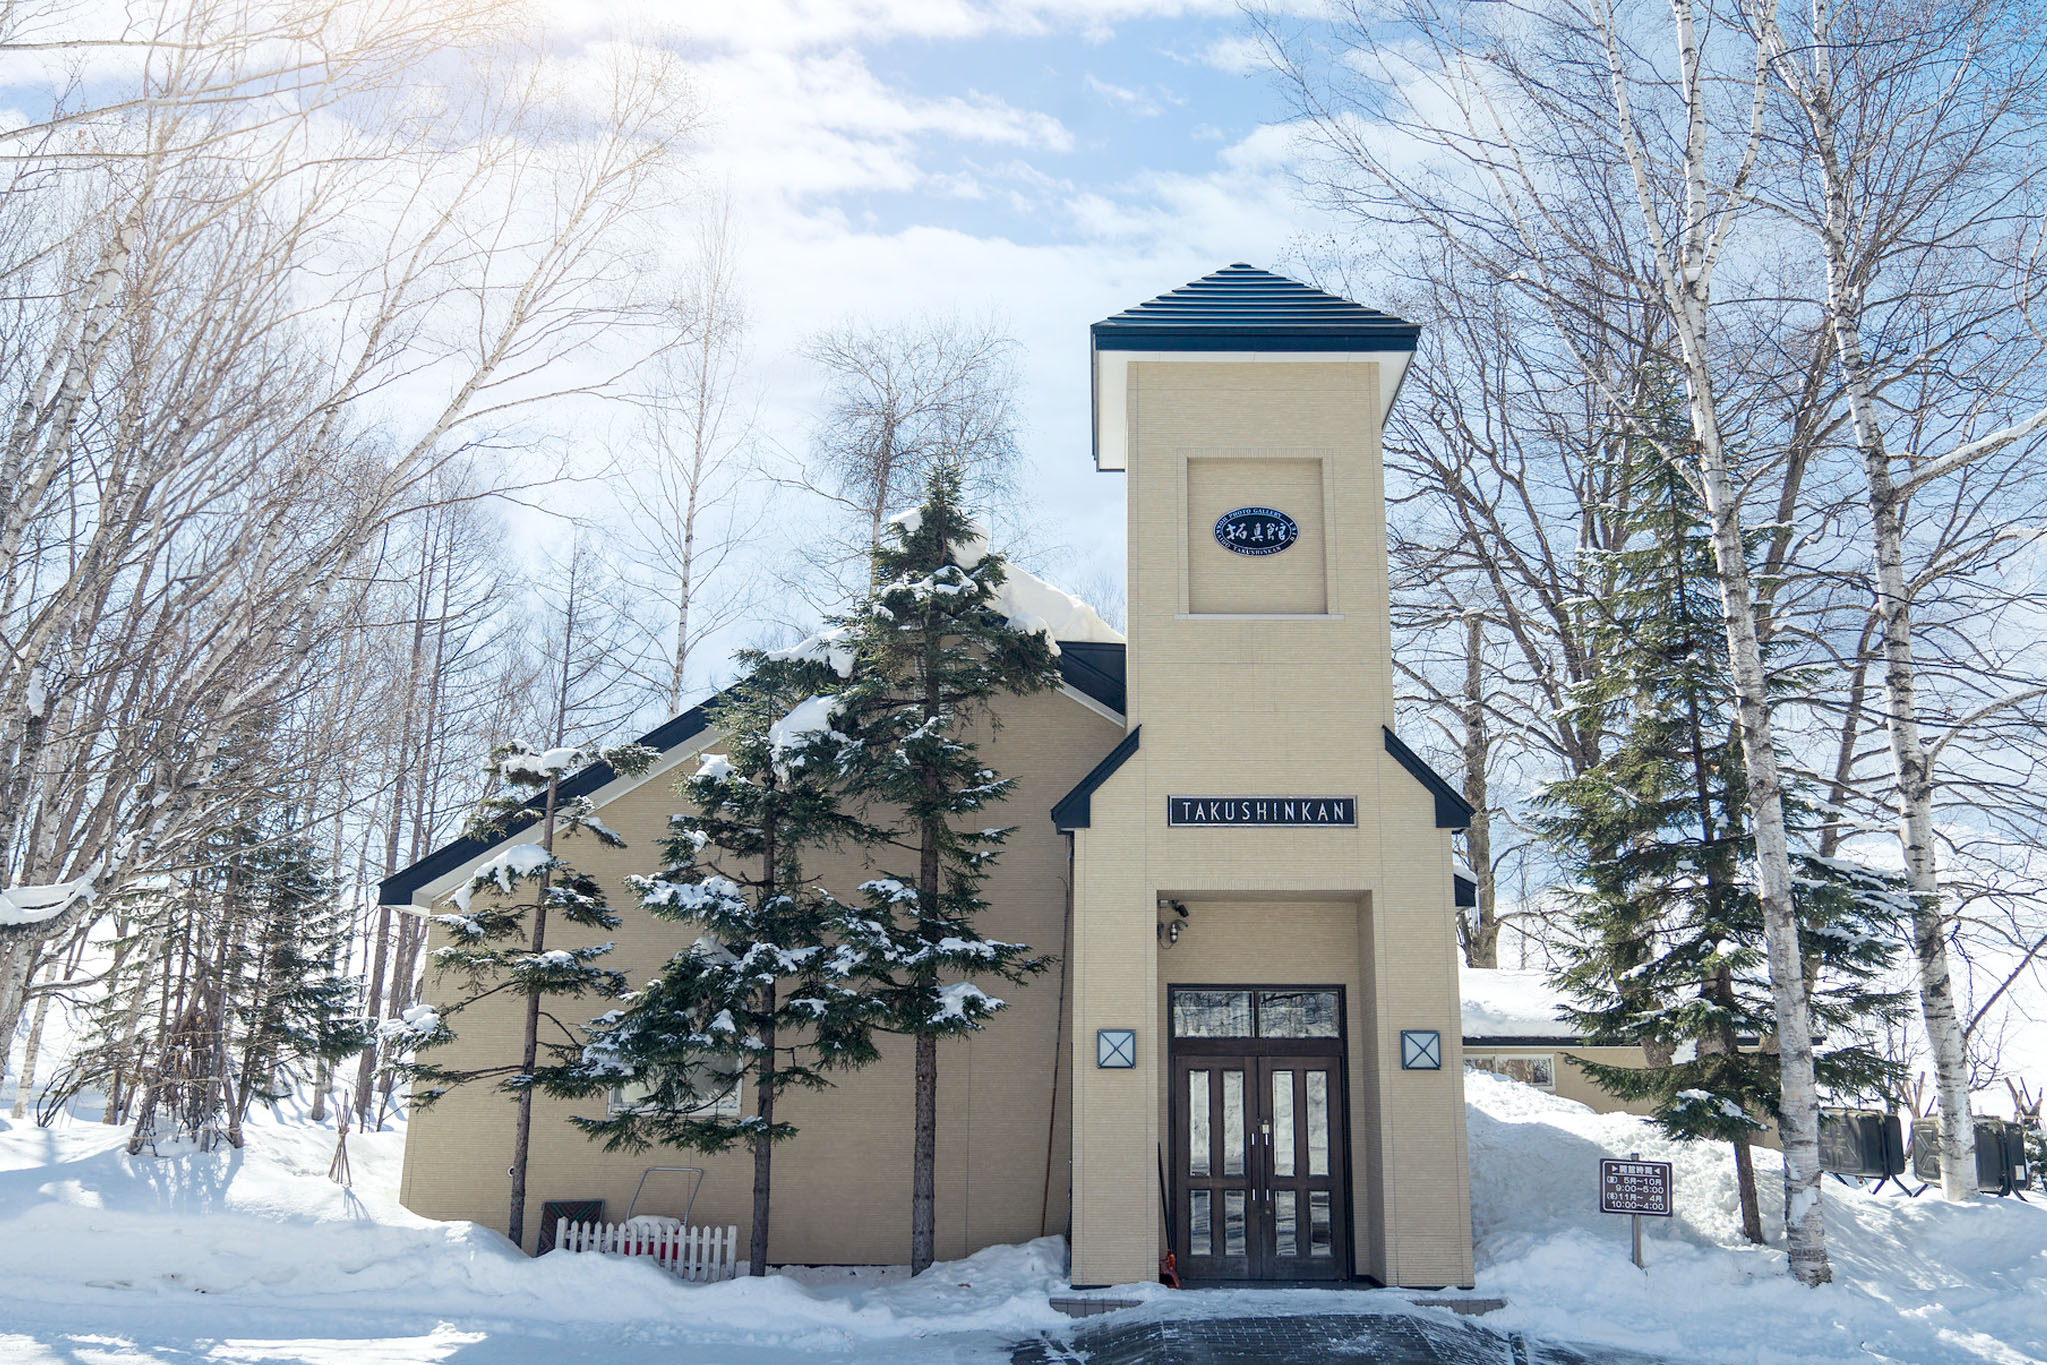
(1256, 530)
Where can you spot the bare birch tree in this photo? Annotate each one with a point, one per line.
(1915, 131)
(901, 401)
(1509, 137)
(682, 475)
(205, 329)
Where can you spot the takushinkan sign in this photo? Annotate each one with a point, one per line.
(1334, 811)
(1256, 530)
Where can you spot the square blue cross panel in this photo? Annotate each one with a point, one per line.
(1116, 1048)
(1421, 1049)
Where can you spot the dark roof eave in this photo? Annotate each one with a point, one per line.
(1075, 810)
(1241, 340)
(1093, 669)
(1452, 810)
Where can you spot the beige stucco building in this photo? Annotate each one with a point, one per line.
(1249, 1052)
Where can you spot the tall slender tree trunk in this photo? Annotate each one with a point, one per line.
(763, 1145)
(1482, 932)
(924, 1158)
(27, 1082)
(374, 1006)
(1745, 1185)
(924, 1133)
(131, 1020)
(1946, 1038)
(1804, 1219)
(529, 1048)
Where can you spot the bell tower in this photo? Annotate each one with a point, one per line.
(1262, 804)
(1245, 409)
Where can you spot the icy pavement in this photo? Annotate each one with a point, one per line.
(1317, 1337)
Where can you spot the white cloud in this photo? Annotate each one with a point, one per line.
(1239, 54)
(807, 25)
(828, 163)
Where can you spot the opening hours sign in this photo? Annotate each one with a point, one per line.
(1641, 1188)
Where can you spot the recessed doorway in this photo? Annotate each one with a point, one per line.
(1258, 1152)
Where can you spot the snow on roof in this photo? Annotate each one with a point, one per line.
(1031, 603)
(1505, 1003)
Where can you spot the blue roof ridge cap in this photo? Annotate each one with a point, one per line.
(1253, 309)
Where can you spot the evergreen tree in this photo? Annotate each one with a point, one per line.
(932, 646)
(294, 1004)
(760, 1002)
(1668, 948)
(224, 986)
(498, 945)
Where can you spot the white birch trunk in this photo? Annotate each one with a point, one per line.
(1812, 87)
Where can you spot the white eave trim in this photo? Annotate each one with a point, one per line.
(1069, 690)
(1112, 385)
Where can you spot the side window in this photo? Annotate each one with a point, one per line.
(637, 1095)
(1538, 1069)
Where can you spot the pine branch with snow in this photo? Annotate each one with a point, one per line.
(762, 1001)
(936, 641)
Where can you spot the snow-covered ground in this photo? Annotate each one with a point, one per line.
(1915, 1280)
(257, 1257)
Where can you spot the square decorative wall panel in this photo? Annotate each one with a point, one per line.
(1116, 1048)
(1421, 1049)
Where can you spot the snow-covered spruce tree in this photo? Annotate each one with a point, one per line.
(498, 945)
(759, 1003)
(1667, 947)
(933, 645)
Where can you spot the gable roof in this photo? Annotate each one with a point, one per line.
(1452, 810)
(1093, 669)
(1243, 308)
(1075, 810)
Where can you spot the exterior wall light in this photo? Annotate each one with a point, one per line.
(1421, 1049)
(1116, 1048)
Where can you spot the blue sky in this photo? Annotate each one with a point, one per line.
(1046, 162)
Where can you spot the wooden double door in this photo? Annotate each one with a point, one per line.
(1258, 1159)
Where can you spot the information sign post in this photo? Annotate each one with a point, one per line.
(1638, 1188)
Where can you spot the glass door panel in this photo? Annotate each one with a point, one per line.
(1302, 1194)
(1257, 1155)
(1215, 1232)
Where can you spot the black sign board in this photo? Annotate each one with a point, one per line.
(1263, 811)
(1861, 1142)
(1256, 530)
(1638, 1187)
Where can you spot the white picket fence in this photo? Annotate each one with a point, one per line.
(695, 1253)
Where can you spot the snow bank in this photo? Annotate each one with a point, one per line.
(826, 647)
(1031, 604)
(503, 870)
(259, 1243)
(538, 767)
(1914, 1280)
(1511, 1004)
(257, 1256)
(808, 718)
(1028, 602)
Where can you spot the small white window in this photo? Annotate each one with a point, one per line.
(1538, 1069)
(635, 1095)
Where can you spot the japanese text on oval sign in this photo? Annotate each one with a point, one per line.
(1638, 1187)
(1256, 530)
